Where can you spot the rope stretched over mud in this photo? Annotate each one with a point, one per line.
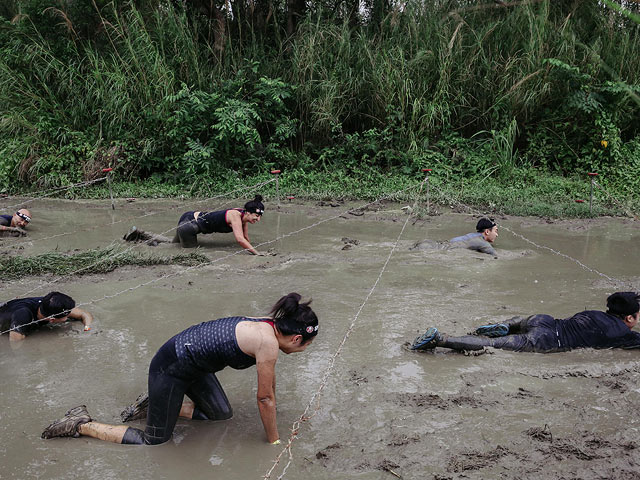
(305, 416)
(613, 280)
(56, 190)
(128, 219)
(208, 262)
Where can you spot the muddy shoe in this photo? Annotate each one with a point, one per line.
(427, 341)
(137, 409)
(68, 425)
(495, 330)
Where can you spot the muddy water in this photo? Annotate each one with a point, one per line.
(385, 412)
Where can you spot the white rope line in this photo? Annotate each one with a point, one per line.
(305, 414)
(117, 255)
(252, 187)
(544, 247)
(209, 262)
(56, 190)
(615, 200)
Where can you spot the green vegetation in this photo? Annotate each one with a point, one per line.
(100, 260)
(510, 103)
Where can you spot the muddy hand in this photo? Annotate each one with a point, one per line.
(18, 232)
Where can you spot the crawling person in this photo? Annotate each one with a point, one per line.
(186, 365)
(17, 223)
(545, 334)
(22, 316)
(234, 220)
(481, 240)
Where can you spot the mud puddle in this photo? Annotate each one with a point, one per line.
(385, 412)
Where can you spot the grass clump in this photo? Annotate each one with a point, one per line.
(101, 260)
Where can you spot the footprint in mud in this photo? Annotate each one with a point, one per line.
(475, 460)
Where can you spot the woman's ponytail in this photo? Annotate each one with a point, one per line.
(294, 318)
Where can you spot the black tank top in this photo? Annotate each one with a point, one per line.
(210, 222)
(212, 345)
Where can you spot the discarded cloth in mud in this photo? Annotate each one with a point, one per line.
(149, 238)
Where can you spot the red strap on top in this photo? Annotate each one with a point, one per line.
(270, 322)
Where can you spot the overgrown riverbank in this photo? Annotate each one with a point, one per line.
(526, 192)
(512, 97)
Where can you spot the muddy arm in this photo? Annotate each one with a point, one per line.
(79, 314)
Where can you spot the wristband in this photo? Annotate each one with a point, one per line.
(87, 328)
(277, 442)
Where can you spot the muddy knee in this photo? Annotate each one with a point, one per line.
(187, 234)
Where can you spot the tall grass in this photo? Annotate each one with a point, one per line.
(423, 73)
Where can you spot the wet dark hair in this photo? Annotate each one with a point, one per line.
(255, 205)
(294, 318)
(623, 304)
(485, 224)
(56, 305)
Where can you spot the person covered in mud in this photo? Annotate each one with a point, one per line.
(480, 240)
(17, 223)
(186, 365)
(545, 334)
(234, 220)
(22, 316)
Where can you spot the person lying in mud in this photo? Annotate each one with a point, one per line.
(23, 316)
(186, 365)
(234, 220)
(480, 240)
(545, 334)
(17, 223)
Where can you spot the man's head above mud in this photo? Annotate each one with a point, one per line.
(488, 228)
(623, 303)
(21, 218)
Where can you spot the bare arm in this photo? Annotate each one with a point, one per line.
(239, 232)
(17, 230)
(79, 314)
(267, 399)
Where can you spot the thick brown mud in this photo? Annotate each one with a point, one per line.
(385, 412)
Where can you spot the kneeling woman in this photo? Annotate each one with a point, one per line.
(186, 365)
(234, 220)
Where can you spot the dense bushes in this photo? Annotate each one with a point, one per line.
(177, 91)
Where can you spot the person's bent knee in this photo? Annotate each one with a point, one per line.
(187, 234)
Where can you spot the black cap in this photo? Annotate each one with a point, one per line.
(484, 224)
(623, 303)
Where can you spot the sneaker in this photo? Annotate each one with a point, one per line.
(427, 341)
(495, 330)
(137, 409)
(68, 425)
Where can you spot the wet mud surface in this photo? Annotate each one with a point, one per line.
(384, 412)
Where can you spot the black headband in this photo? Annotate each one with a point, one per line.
(23, 216)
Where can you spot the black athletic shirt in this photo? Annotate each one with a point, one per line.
(6, 220)
(595, 329)
(17, 314)
(212, 345)
(210, 222)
